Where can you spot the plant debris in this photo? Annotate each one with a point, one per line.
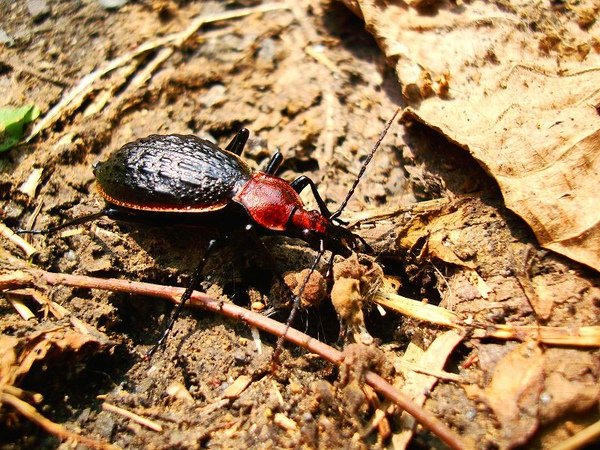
(459, 296)
(12, 123)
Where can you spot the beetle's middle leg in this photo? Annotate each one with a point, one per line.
(189, 290)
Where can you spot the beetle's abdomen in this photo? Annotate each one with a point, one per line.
(171, 173)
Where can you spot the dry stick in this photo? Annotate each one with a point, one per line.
(30, 397)
(85, 86)
(586, 436)
(9, 234)
(580, 336)
(28, 411)
(133, 416)
(199, 299)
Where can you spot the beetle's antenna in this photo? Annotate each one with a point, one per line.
(296, 306)
(336, 214)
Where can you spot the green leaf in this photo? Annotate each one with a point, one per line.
(12, 121)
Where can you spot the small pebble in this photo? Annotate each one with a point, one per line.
(471, 414)
(545, 398)
(240, 357)
(105, 425)
(214, 96)
(84, 416)
(266, 53)
(38, 8)
(257, 306)
(112, 4)
(5, 38)
(70, 255)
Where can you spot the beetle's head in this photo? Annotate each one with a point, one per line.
(342, 241)
(314, 228)
(337, 239)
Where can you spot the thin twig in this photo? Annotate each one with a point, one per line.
(578, 336)
(30, 397)
(21, 308)
(586, 436)
(9, 234)
(133, 416)
(441, 374)
(199, 299)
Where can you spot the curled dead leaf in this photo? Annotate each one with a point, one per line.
(314, 291)
(18, 355)
(354, 283)
(523, 109)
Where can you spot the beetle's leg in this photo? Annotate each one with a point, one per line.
(366, 247)
(301, 182)
(238, 142)
(274, 163)
(189, 290)
(106, 212)
(329, 273)
(296, 306)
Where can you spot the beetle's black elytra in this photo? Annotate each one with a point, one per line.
(172, 172)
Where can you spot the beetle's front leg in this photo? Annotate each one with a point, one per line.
(301, 182)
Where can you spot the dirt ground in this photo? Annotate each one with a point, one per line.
(308, 80)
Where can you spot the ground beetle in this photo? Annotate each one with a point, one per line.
(187, 175)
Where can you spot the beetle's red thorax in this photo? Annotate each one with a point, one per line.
(273, 204)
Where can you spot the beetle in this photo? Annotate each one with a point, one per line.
(185, 174)
(189, 176)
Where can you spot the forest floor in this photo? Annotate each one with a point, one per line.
(307, 80)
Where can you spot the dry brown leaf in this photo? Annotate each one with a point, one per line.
(524, 90)
(514, 393)
(530, 387)
(440, 232)
(8, 360)
(354, 283)
(417, 384)
(17, 356)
